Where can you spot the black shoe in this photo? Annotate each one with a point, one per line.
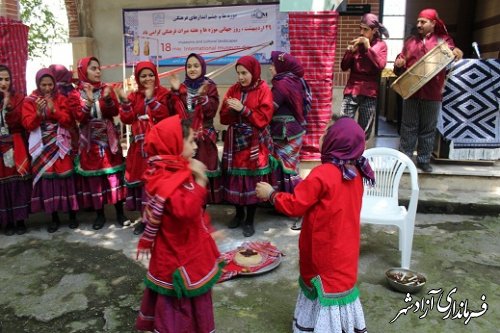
(425, 167)
(123, 220)
(9, 229)
(139, 228)
(235, 222)
(297, 225)
(73, 223)
(53, 226)
(21, 228)
(99, 222)
(248, 230)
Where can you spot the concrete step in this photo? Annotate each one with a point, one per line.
(452, 188)
(458, 189)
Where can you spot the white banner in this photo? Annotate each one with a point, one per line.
(169, 35)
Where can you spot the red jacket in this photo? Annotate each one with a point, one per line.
(96, 159)
(257, 113)
(366, 66)
(16, 140)
(414, 49)
(184, 258)
(61, 116)
(330, 236)
(133, 114)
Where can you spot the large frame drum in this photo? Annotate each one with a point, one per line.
(423, 70)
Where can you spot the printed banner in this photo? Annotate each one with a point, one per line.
(168, 35)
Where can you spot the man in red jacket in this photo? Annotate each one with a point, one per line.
(420, 111)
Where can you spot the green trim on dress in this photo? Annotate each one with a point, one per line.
(180, 289)
(327, 299)
(272, 165)
(101, 172)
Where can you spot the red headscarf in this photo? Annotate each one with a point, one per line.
(83, 65)
(146, 65)
(431, 14)
(167, 169)
(253, 66)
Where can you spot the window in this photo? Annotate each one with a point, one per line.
(393, 18)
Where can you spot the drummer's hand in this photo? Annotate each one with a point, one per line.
(457, 53)
(263, 190)
(400, 62)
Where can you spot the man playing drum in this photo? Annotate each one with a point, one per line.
(420, 111)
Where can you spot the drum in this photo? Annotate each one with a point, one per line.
(423, 70)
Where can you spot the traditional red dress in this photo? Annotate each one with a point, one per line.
(50, 148)
(246, 159)
(141, 114)
(329, 199)
(15, 169)
(184, 258)
(201, 109)
(100, 161)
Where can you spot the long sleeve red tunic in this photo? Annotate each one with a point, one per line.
(61, 116)
(365, 66)
(15, 140)
(96, 156)
(257, 113)
(142, 114)
(184, 259)
(330, 236)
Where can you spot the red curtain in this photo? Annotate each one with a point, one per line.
(313, 36)
(14, 50)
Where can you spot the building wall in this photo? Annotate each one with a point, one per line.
(9, 9)
(487, 28)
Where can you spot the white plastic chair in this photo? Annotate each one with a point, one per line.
(380, 203)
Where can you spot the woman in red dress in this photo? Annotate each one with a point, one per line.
(200, 98)
(15, 181)
(247, 109)
(141, 109)
(46, 117)
(100, 162)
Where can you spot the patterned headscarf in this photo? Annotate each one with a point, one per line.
(289, 79)
(431, 14)
(343, 145)
(253, 66)
(371, 20)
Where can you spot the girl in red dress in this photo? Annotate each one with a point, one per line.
(100, 162)
(46, 117)
(329, 198)
(142, 109)
(15, 182)
(184, 263)
(247, 109)
(201, 100)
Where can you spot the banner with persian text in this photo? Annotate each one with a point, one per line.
(166, 36)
